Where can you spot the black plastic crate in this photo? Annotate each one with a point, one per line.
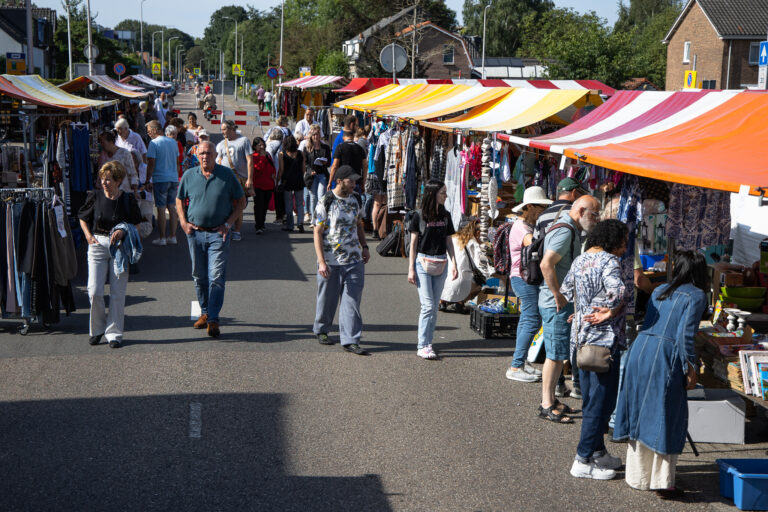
(493, 325)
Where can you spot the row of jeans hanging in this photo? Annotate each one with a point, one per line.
(39, 259)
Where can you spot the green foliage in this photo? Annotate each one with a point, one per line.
(641, 12)
(583, 46)
(331, 63)
(504, 22)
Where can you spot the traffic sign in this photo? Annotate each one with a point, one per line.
(236, 69)
(119, 68)
(763, 61)
(272, 73)
(156, 68)
(15, 64)
(690, 80)
(196, 71)
(242, 72)
(305, 71)
(281, 71)
(762, 78)
(91, 51)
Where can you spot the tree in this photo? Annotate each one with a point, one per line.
(649, 58)
(641, 12)
(218, 31)
(503, 22)
(331, 63)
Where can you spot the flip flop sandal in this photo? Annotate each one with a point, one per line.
(549, 414)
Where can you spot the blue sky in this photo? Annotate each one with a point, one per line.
(192, 16)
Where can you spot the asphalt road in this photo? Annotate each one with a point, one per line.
(265, 418)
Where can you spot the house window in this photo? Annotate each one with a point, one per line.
(687, 52)
(709, 84)
(754, 54)
(447, 54)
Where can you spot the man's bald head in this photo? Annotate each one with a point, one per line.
(585, 212)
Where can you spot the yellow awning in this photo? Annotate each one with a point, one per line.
(520, 108)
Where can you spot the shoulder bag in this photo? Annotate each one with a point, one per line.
(477, 276)
(592, 358)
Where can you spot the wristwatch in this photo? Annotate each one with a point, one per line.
(228, 226)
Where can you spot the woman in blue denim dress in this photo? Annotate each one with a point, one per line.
(652, 410)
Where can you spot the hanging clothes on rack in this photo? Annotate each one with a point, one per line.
(454, 186)
(698, 217)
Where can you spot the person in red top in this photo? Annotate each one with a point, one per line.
(207, 89)
(263, 182)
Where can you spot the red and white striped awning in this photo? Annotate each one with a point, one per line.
(307, 82)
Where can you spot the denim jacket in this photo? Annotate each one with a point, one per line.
(126, 251)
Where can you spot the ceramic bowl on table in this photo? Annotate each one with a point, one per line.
(742, 292)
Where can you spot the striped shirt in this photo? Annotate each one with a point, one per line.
(547, 217)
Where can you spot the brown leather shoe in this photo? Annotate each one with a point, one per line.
(213, 329)
(201, 322)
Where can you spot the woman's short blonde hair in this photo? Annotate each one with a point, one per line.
(115, 169)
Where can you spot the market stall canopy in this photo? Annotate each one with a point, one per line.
(519, 108)
(383, 96)
(307, 82)
(712, 139)
(110, 84)
(361, 85)
(593, 85)
(144, 79)
(34, 89)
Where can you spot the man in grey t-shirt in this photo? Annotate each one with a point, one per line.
(561, 246)
(235, 152)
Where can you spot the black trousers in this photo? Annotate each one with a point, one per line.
(260, 206)
(279, 205)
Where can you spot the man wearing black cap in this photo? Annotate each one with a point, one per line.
(341, 257)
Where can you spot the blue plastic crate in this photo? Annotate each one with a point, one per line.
(745, 481)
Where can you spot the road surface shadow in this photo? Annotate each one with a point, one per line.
(139, 453)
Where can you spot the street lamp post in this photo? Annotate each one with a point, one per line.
(141, 30)
(162, 54)
(235, 61)
(485, 12)
(179, 70)
(170, 59)
(282, 13)
(153, 46)
(69, 41)
(90, 41)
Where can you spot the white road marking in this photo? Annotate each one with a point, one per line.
(195, 420)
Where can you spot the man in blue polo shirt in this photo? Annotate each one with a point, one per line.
(215, 201)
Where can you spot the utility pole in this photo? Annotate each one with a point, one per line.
(141, 30)
(69, 40)
(413, 42)
(485, 12)
(162, 55)
(235, 61)
(282, 17)
(90, 41)
(31, 39)
(153, 48)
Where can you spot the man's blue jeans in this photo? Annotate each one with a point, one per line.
(599, 392)
(530, 319)
(209, 253)
(430, 290)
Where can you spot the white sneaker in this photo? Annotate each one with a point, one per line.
(607, 461)
(591, 470)
(530, 369)
(159, 241)
(521, 375)
(426, 353)
(172, 241)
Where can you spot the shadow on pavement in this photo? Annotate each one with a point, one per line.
(138, 453)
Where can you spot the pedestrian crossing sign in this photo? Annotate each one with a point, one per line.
(196, 71)
(242, 72)
(236, 69)
(156, 68)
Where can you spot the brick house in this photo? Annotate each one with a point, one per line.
(721, 38)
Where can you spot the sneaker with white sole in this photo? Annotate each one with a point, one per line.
(159, 241)
(530, 369)
(172, 241)
(591, 470)
(236, 236)
(426, 353)
(607, 461)
(521, 375)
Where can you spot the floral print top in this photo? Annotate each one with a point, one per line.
(594, 280)
(341, 245)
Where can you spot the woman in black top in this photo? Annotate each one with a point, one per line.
(430, 255)
(104, 210)
(290, 180)
(317, 155)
